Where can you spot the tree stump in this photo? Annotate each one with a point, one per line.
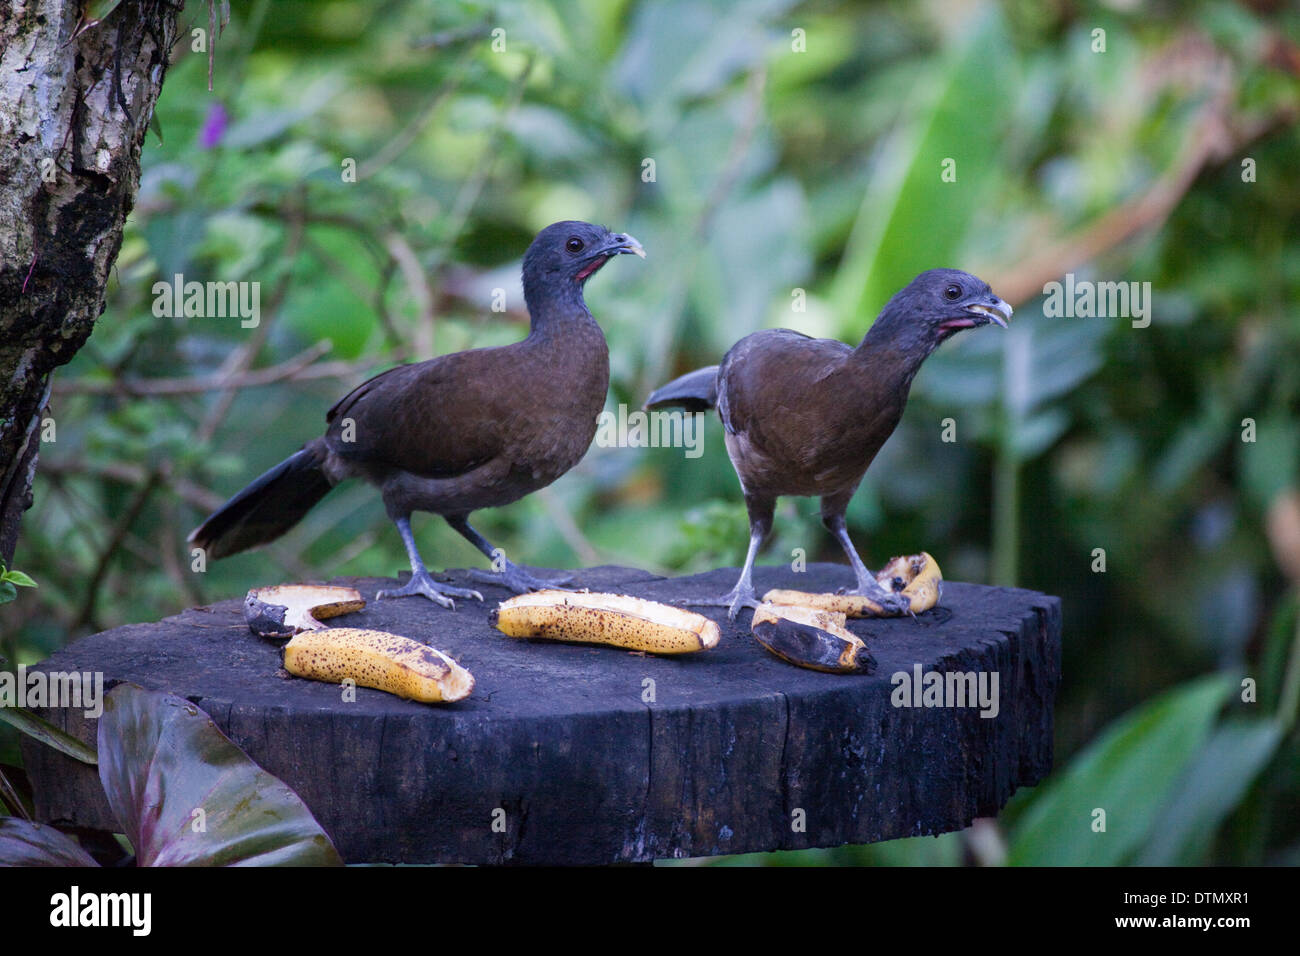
(574, 754)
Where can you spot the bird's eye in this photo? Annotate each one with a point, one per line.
(952, 293)
(574, 244)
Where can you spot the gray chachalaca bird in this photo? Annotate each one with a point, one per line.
(806, 416)
(469, 430)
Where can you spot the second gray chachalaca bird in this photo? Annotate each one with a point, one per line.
(463, 431)
(806, 416)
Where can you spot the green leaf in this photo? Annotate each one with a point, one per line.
(18, 578)
(172, 238)
(1217, 781)
(910, 219)
(44, 731)
(688, 49)
(1268, 465)
(35, 844)
(1020, 372)
(1128, 772)
(166, 769)
(1195, 443)
(1037, 432)
(265, 125)
(96, 11)
(7, 592)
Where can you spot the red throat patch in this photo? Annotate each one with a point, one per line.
(586, 272)
(953, 326)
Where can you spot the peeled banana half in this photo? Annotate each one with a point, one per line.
(386, 662)
(811, 637)
(618, 620)
(916, 576)
(286, 609)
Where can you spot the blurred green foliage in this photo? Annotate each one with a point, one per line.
(775, 170)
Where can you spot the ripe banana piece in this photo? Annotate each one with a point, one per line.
(286, 609)
(618, 620)
(377, 659)
(917, 576)
(812, 638)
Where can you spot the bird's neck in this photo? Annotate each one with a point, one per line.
(554, 307)
(894, 342)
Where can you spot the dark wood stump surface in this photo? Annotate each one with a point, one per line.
(561, 748)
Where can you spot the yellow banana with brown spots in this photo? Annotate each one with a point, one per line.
(377, 659)
(618, 620)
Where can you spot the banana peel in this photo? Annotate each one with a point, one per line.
(916, 576)
(287, 609)
(377, 659)
(617, 620)
(812, 638)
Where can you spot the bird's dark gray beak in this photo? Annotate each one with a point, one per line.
(994, 310)
(621, 243)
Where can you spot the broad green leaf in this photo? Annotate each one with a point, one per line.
(945, 849)
(185, 795)
(18, 578)
(911, 220)
(34, 844)
(1128, 772)
(39, 729)
(691, 48)
(1220, 776)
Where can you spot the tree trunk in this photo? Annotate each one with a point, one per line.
(73, 118)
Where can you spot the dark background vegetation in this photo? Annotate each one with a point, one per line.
(775, 171)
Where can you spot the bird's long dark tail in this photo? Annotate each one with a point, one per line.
(270, 505)
(695, 391)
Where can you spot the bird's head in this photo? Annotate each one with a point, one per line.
(565, 255)
(938, 304)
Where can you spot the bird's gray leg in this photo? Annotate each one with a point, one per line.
(868, 586)
(421, 582)
(742, 595)
(511, 576)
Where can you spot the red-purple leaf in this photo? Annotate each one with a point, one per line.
(185, 795)
(35, 844)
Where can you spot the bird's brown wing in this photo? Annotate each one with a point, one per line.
(347, 401)
(765, 385)
(436, 419)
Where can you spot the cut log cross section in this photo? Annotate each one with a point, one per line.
(581, 754)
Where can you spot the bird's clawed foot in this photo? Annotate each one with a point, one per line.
(422, 583)
(516, 579)
(739, 597)
(891, 602)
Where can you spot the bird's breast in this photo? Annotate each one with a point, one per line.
(812, 446)
(566, 386)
